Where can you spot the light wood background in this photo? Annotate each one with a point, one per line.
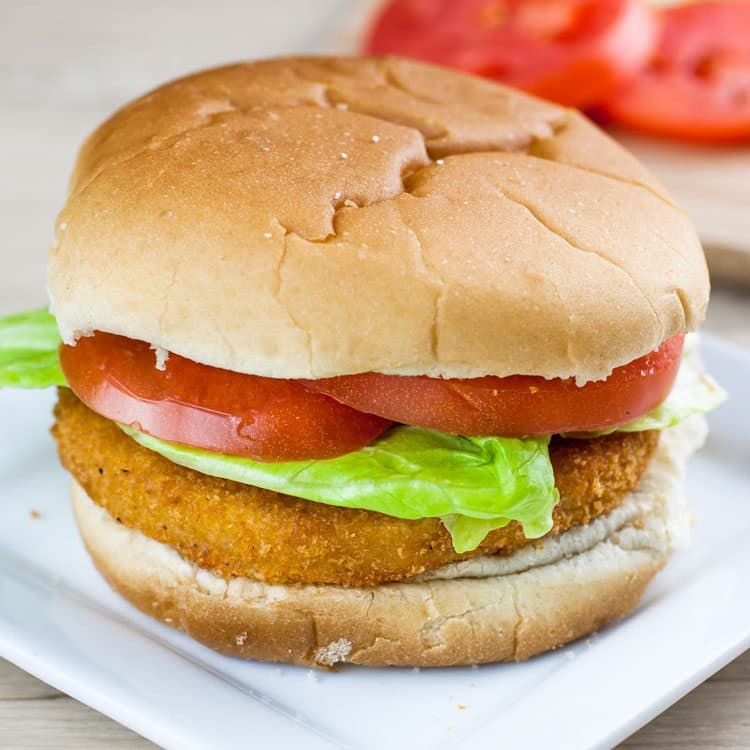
(65, 66)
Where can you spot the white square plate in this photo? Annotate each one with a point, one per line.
(59, 621)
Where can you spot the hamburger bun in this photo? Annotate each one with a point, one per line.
(481, 610)
(313, 217)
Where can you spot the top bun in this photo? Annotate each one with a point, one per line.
(311, 217)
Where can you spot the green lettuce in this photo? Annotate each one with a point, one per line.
(28, 351)
(474, 484)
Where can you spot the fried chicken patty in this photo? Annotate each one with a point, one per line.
(234, 529)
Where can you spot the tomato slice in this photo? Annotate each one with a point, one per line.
(272, 419)
(517, 405)
(570, 51)
(697, 86)
(206, 407)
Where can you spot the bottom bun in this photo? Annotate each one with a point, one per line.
(483, 610)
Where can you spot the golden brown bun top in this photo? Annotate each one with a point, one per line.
(309, 217)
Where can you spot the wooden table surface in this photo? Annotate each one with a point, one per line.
(63, 67)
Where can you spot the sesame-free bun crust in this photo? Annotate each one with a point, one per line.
(311, 217)
(481, 610)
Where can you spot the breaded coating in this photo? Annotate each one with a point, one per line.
(236, 530)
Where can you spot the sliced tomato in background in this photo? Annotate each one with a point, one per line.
(697, 85)
(226, 412)
(571, 51)
(517, 405)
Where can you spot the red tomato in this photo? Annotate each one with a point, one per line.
(517, 405)
(205, 407)
(570, 51)
(697, 86)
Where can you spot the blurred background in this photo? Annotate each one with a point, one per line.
(64, 66)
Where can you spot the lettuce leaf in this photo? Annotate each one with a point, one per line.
(28, 351)
(474, 484)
